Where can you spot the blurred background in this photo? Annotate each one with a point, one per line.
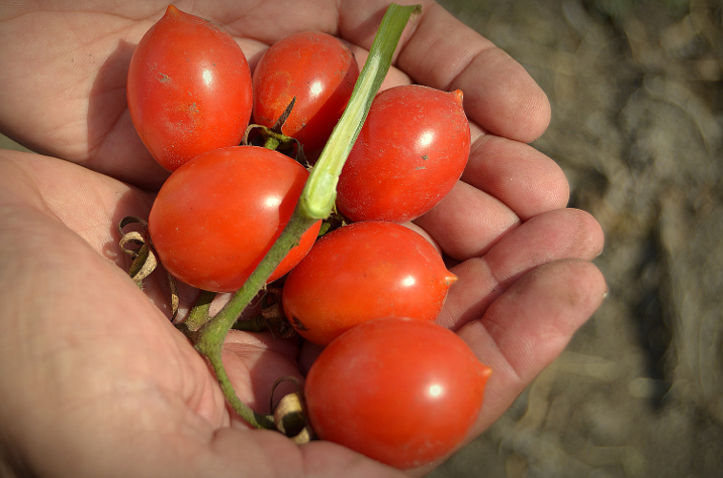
(637, 99)
(637, 125)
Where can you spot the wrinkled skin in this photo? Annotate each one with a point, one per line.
(96, 381)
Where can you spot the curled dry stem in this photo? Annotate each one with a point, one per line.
(315, 203)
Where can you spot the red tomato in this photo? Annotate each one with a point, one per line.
(412, 149)
(361, 272)
(189, 89)
(317, 69)
(403, 392)
(216, 216)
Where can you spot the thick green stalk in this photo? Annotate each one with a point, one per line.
(319, 195)
(199, 313)
(316, 201)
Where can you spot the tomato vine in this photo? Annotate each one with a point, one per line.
(316, 202)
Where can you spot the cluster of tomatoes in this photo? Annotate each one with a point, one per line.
(389, 383)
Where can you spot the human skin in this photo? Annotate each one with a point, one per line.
(95, 379)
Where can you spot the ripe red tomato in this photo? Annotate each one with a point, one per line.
(361, 272)
(403, 392)
(189, 89)
(216, 216)
(317, 69)
(412, 149)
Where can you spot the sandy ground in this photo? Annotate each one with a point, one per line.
(637, 126)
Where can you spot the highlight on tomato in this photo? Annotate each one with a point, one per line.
(361, 272)
(409, 154)
(401, 391)
(189, 89)
(318, 71)
(216, 216)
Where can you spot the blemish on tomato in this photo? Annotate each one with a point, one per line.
(299, 325)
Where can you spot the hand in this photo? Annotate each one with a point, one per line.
(97, 382)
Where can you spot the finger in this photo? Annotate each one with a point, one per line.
(528, 326)
(440, 51)
(467, 221)
(504, 181)
(77, 331)
(67, 101)
(552, 236)
(88, 203)
(92, 206)
(269, 22)
(518, 175)
(255, 362)
(500, 95)
(232, 452)
(394, 77)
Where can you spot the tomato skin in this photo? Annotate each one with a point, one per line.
(216, 216)
(189, 89)
(361, 272)
(401, 391)
(409, 154)
(317, 69)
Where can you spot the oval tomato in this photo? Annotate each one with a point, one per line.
(403, 392)
(216, 216)
(315, 68)
(361, 272)
(189, 89)
(409, 154)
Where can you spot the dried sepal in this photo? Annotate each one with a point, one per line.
(136, 245)
(260, 135)
(175, 300)
(290, 413)
(290, 418)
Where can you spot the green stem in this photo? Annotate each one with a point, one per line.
(254, 419)
(272, 143)
(319, 195)
(316, 201)
(222, 322)
(199, 313)
(210, 337)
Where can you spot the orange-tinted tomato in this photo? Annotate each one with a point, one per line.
(361, 272)
(216, 216)
(315, 68)
(189, 89)
(404, 392)
(411, 151)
